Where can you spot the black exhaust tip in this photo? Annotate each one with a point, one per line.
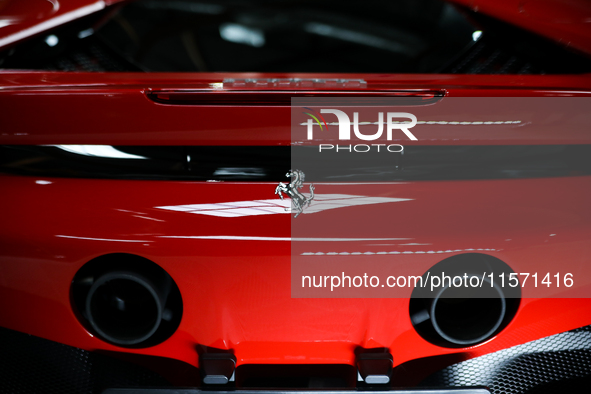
(127, 300)
(454, 315)
(463, 320)
(124, 307)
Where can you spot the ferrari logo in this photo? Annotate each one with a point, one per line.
(298, 200)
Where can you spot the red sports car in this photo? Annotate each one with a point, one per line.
(280, 196)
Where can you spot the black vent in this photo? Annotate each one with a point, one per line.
(501, 48)
(94, 57)
(485, 57)
(556, 364)
(34, 365)
(72, 47)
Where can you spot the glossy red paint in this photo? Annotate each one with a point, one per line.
(122, 114)
(237, 292)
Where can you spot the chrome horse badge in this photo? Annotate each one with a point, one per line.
(298, 200)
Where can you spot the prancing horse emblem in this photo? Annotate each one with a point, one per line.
(298, 200)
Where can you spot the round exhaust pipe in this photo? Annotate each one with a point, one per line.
(125, 308)
(466, 319)
(459, 315)
(127, 300)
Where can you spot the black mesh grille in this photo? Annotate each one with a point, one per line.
(94, 57)
(559, 363)
(506, 49)
(487, 58)
(30, 364)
